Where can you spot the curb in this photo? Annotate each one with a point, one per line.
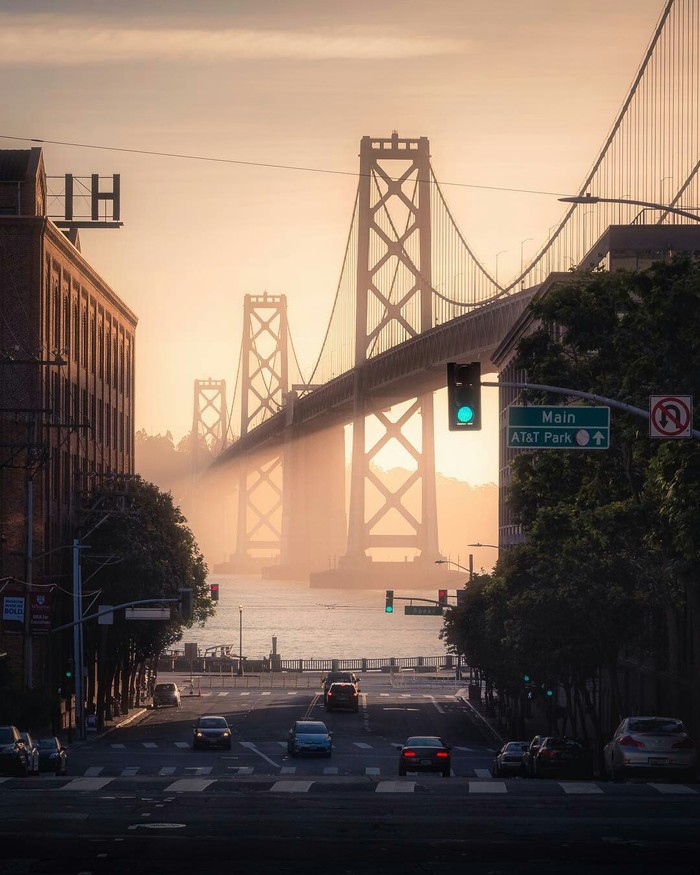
(125, 722)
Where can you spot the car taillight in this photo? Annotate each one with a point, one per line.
(355, 694)
(546, 753)
(442, 753)
(329, 694)
(685, 743)
(408, 753)
(628, 741)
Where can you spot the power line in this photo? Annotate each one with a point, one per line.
(295, 167)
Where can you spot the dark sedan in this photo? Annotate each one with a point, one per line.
(563, 758)
(425, 753)
(14, 758)
(211, 731)
(52, 755)
(509, 759)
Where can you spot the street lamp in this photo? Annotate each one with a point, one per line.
(593, 199)
(495, 546)
(240, 640)
(497, 254)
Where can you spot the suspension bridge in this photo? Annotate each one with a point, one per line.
(412, 295)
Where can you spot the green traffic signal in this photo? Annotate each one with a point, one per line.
(464, 396)
(389, 605)
(465, 414)
(526, 678)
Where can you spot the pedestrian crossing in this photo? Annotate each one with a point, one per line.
(199, 778)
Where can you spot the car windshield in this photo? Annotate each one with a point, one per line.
(46, 743)
(6, 735)
(312, 728)
(562, 743)
(165, 688)
(518, 746)
(212, 723)
(424, 741)
(656, 725)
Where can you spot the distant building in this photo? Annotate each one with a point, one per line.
(67, 345)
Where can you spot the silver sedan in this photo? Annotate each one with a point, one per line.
(650, 746)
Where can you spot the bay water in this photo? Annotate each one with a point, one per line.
(314, 623)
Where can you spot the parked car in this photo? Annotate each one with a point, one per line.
(32, 752)
(53, 757)
(166, 694)
(211, 731)
(336, 677)
(509, 758)
(527, 768)
(342, 695)
(650, 746)
(309, 736)
(563, 757)
(14, 759)
(425, 753)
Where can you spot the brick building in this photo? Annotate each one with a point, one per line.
(66, 408)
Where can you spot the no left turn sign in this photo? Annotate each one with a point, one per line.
(670, 416)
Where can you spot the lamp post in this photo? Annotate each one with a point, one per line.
(497, 254)
(593, 199)
(240, 640)
(495, 546)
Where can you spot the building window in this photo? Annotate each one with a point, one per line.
(84, 339)
(93, 340)
(108, 365)
(76, 332)
(108, 425)
(66, 323)
(101, 350)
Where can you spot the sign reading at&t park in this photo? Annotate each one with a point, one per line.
(561, 428)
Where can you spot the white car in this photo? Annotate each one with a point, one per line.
(650, 746)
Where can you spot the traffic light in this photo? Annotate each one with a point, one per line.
(186, 604)
(215, 592)
(389, 606)
(461, 598)
(442, 598)
(464, 396)
(69, 670)
(526, 678)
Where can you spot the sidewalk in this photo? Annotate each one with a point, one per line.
(109, 726)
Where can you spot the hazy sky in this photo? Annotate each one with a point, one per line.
(511, 93)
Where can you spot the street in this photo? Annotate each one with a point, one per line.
(138, 799)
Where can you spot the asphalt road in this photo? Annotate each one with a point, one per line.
(139, 800)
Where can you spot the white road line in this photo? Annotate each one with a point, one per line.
(291, 787)
(241, 770)
(182, 744)
(384, 694)
(86, 783)
(372, 770)
(167, 770)
(282, 744)
(288, 770)
(189, 785)
(205, 695)
(93, 771)
(487, 787)
(118, 746)
(223, 694)
(395, 787)
(244, 694)
(483, 773)
(129, 771)
(292, 693)
(673, 788)
(405, 696)
(437, 704)
(579, 787)
(266, 693)
(251, 746)
(459, 747)
(330, 770)
(149, 744)
(363, 745)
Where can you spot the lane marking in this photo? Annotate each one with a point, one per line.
(483, 773)
(266, 693)
(199, 770)
(118, 746)
(437, 704)
(673, 788)
(580, 787)
(288, 770)
(244, 694)
(330, 770)
(149, 744)
(254, 749)
(86, 783)
(372, 770)
(395, 787)
(94, 771)
(129, 771)
(189, 785)
(291, 787)
(487, 787)
(363, 745)
(223, 694)
(167, 770)
(182, 744)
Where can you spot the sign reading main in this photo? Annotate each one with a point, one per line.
(560, 428)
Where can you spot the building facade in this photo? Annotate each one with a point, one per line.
(67, 355)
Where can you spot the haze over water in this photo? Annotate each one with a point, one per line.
(315, 623)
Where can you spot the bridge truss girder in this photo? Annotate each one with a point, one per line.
(209, 423)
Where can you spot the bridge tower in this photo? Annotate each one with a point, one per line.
(209, 422)
(394, 303)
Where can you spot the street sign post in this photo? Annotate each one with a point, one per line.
(423, 610)
(147, 613)
(574, 427)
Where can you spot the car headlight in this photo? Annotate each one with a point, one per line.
(198, 734)
(226, 733)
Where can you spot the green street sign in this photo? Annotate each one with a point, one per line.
(423, 610)
(561, 428)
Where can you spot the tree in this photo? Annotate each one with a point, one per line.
(144, 550)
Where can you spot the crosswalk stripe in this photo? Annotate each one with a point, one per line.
(199, 770)
(288, 770)
(363, 745)
(673, 788)
(372, 770)
(482, 773)
(487, 787)
(241, 770)
(182, 744)
(86, 784)
(395, 787)
(223, 694)
(245, 694)
(266, 693)
(291, 786)
(167, 770)
(149, 744)
(291, 692)
(118, 746)
(129, 771)
(191, 785)
(583, 787)
(330, 770)
(93, 771)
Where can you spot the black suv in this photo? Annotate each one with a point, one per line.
(339, 677)
(342, 695)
